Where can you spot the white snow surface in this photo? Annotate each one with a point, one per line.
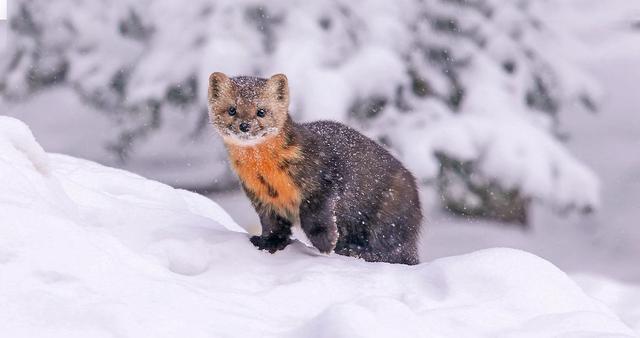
(90, 251)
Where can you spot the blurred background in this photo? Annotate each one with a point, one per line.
(519, 118)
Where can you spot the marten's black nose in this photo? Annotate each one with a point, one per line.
(244, 127)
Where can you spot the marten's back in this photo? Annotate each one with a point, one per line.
(354, 152)
(360, 168)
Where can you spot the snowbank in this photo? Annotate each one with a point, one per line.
(89, 251)
(624, 299)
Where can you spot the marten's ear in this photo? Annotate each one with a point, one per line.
(278, 87)
(219, 84)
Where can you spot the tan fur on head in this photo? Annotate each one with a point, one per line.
(219, 84)
(278, 89)
(245, 96)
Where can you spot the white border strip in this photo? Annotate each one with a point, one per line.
(3, 9)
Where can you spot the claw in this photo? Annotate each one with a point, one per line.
(271, 244)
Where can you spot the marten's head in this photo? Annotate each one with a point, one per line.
(246, 110)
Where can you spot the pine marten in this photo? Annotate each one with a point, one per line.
(348, 193)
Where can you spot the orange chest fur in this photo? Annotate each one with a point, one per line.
(263, 169)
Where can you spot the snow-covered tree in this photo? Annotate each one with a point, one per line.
(466, 92)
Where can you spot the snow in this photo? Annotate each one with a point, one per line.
(18, 136)
(622, 297)
(323, 67)
(515, 153)
(90, 251)
(178, 160)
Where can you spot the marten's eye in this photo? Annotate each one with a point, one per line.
(261, 112)
(231, 110)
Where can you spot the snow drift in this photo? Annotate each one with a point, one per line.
(89, 251)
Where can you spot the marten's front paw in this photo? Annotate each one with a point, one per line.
(323, 238)
(271, 244)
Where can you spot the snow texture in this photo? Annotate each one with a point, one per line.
(90, 251)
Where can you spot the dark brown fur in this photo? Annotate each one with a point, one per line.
(348, 193)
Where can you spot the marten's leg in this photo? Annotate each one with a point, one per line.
(276, 232)
(393, 237)
(318, 221)
(386, 229)
(395, 224)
